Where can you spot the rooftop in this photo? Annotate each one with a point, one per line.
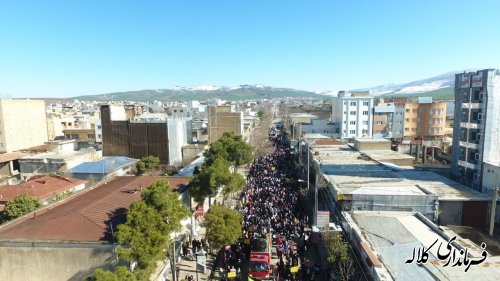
(40, 187)
(349, 170)
(6, 157)
(106, 165)
(86, 216)
(394, 235)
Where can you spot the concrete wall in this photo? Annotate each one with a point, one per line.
(372, 145)
(38, 261)
(23, 124)
(221, 120)
(450, 212)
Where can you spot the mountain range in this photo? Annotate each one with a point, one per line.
(439, 87)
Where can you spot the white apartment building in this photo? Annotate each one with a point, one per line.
(355, 114)
(23, 124)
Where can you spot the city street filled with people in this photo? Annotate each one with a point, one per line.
(275, 235)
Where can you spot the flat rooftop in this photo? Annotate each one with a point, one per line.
(349, 171)
(394, 235)
(384, 155)
(87, 216)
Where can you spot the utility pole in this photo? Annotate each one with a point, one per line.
(493, 209)
(174, 269)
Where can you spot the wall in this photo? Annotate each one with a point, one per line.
(37, 261)
(319, 126)
(372, 145)
(450, 212)
(23, 124)
(411, 117)
(221, 120)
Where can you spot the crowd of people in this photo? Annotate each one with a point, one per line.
(272, 207)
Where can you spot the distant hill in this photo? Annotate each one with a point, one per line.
(242, 92)
(439, 87)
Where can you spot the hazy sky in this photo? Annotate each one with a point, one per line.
(69, 48)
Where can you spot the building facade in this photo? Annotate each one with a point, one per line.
(388, 120)
(23, 124)
(476, 127)
(222, 119)
(140, 137)
(355, 112)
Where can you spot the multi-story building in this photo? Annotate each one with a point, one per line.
(388, 120)
(476, 133)
(355, 114)
(153, 134)
(222, 119)
(23, 124)
(425, 120)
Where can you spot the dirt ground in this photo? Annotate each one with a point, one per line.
(479, 236)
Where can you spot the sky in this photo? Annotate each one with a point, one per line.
(72, 48)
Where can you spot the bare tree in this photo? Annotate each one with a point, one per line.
(259, 137)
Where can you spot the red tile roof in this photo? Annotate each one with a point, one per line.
(41, 187)
(85, 217)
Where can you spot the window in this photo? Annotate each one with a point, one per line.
(345, 122)
(1, 145)
(477, 156)
(364, 131)
(399, 122)
(175, 110)
(345, 103)
(365, 103)
(99, 127)
(365, 112)
(414, 120)
(479, 116)
(414, 110)
(380, 122)
(352, 132)
(407, 129)
(413, 129)
(99, 136)
(181, 110)
(407, 119)
(0, 133)
(353, 103)
(407, 110)
(353, 112)
(478, 137)
(345, 112)
(352, 122)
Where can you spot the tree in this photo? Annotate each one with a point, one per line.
(121, 274)
(338, 255)
(223, 226)
(147, 164)
(20, 205)
(207, 179)
(259, 139)
(234, 183)
(145, 237)
(230, 147)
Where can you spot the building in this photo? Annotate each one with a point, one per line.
(388, 120)
(69, 240)
(23, 124)
(320, 126)
(107, 167)
(355, 114)
(9, 164)
(150, 134)
(476, 129)
(61, 156)
(357, 182)
(386, 240)
(222, 119)
(44, 188)
(425, 120)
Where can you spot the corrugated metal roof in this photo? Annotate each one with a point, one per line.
(106, 165)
